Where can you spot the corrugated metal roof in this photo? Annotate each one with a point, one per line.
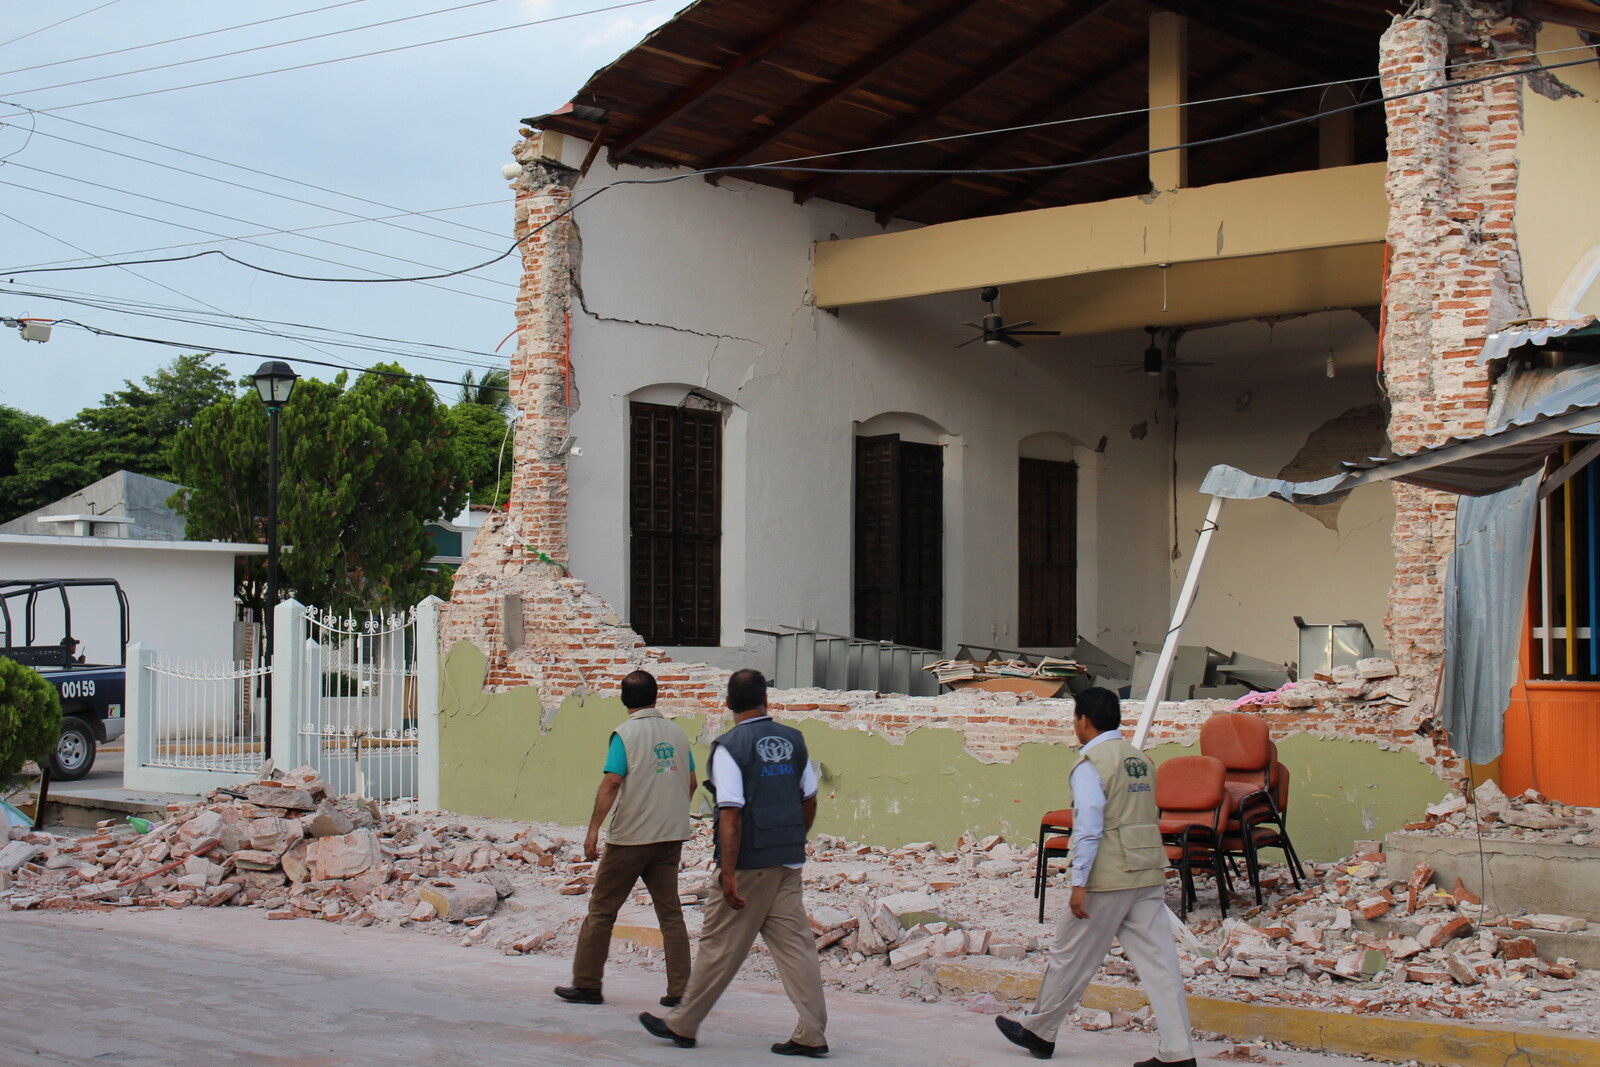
(1500, 345)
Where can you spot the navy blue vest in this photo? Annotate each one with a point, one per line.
(771, 757)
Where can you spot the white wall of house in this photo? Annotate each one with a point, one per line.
(180, 593)
(689, 286)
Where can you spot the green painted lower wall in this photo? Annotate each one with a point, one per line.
(499, 760)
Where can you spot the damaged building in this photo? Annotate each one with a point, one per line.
(922, 322)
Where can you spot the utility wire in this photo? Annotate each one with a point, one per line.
(187, 347)
(246, 222)
(256, 48)
(53, 25)
(346, 59)
(352, 215)
(788, 166)
(186, 37)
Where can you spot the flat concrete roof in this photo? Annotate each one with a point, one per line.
(48, 541)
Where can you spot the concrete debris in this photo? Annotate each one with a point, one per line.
(1350, 939)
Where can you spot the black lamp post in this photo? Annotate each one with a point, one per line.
(274, 382)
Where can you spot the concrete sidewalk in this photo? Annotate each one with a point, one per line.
(144, 989)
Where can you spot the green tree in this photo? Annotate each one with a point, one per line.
(362, 469)
(493, 390)
(15, 426)
(132, 429)
(480, 423)
(30, 717)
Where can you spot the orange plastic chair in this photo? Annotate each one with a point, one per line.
(1244, 744)
(1192, 793)
(1055, 839)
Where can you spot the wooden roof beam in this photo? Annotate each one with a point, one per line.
(1120, 132)
(1007, 60)
(1265, 45)
(891, 51)
(1563, 16)
(704, 86)
(1067, 101)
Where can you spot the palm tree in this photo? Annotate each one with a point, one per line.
(491, 390)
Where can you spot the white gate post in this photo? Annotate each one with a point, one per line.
(288, 681)
(428, 704)
(138, 709)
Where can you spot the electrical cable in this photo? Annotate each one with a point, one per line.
(253, 170)
(256, 48)
(787, 166)
(124, 304)
(187, 347)
(246, 222)
(33, 130)
(63, 22)
(384, 348)
(213, 233)
(354, 217)
(346, 59)
(177, 40)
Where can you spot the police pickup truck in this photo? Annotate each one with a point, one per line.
(36, 630)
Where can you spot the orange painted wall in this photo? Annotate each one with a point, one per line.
(1552, 738)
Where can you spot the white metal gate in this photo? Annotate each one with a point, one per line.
(202, 717)
(350, 696)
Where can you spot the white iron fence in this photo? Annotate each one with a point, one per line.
(355, 698)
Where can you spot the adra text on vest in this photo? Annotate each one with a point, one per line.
(771, 769)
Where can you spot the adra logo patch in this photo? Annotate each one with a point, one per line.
(1136, 768)
(665, 750)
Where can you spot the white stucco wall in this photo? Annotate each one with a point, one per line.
(180, 593)
(693, 286)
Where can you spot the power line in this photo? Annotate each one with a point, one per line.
(353, 216)
(345, 59)
(176, 40)
(788, 166)
(215, 350)
(251, 170)
(256, 48)
(53, 25)
(247, 222)
(223, 236)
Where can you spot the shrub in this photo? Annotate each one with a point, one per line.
(30, 717)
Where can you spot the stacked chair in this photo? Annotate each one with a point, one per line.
(1055, 839)
(1258, 786)
(1195, 804)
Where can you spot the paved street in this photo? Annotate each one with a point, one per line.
(209, 987)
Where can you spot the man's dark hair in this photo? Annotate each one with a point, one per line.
(1100, 706)
(639, 690)
(747, 690)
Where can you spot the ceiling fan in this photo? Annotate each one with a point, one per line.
(993, 329)
(1155, 359)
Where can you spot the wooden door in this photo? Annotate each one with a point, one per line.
(899, 541)
(675, 524)
(1047, 553)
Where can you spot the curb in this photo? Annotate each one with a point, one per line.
(1446, 1044)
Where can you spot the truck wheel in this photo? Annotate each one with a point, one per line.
(74, 754)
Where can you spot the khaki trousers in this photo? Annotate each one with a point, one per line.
(620, 867)
(774, 909)
(1138, 919)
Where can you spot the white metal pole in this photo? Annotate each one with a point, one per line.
(1180, 612)
(428, 654)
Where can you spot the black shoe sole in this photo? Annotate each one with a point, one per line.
(658, 1028)
(573, 995)
(794, 1048)
(671, 1002)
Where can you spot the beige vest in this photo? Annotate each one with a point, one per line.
(1131, 854)
(653, 804)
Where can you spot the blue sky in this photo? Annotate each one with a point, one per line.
(417, 130)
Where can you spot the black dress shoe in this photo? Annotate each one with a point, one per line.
(573, 995)
(795, 1048)
(1018, 1034)
(671, 1002)
(659, 1028)
(1156, 1061)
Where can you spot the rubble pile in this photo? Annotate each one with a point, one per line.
(282, 843)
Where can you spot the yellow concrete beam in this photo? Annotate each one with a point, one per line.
(1261, 216)
(1169, 85)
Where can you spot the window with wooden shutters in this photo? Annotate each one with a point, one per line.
(899, 541)
(1047, 553)
(675, 520)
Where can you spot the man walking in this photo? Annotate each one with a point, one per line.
(649, 778)
(1118, 872)
(766, 795)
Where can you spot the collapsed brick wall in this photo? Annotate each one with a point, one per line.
(1454, 276)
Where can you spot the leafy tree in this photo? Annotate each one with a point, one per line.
(493, 390)
(30, 717)
(483, 449)
(15, 426)
(362, 469)
(132, 429)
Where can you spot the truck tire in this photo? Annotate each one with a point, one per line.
(75, 750)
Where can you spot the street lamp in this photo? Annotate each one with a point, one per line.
(274, 382)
